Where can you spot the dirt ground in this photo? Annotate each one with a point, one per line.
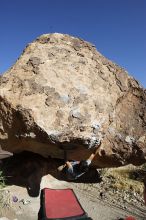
(26, 175)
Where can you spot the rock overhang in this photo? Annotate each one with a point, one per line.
(74, 95)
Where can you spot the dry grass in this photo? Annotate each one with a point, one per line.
(127, 177)
(5, 201)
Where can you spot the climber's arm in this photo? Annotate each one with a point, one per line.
(68, 164)
(94, 153)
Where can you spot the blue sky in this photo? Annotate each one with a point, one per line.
(116, 27)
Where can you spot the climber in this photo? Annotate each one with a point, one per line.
(75, 169)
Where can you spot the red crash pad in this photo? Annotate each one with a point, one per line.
(130, 218)
(61, 204)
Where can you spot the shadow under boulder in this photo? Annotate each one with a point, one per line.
(26, 169)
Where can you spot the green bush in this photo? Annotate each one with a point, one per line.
(2, 180)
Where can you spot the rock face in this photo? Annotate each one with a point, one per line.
(62, 92)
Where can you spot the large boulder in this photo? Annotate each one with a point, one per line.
(61, 93)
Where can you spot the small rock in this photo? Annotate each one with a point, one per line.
(14, 198)
(25, 202)
(129, 139)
